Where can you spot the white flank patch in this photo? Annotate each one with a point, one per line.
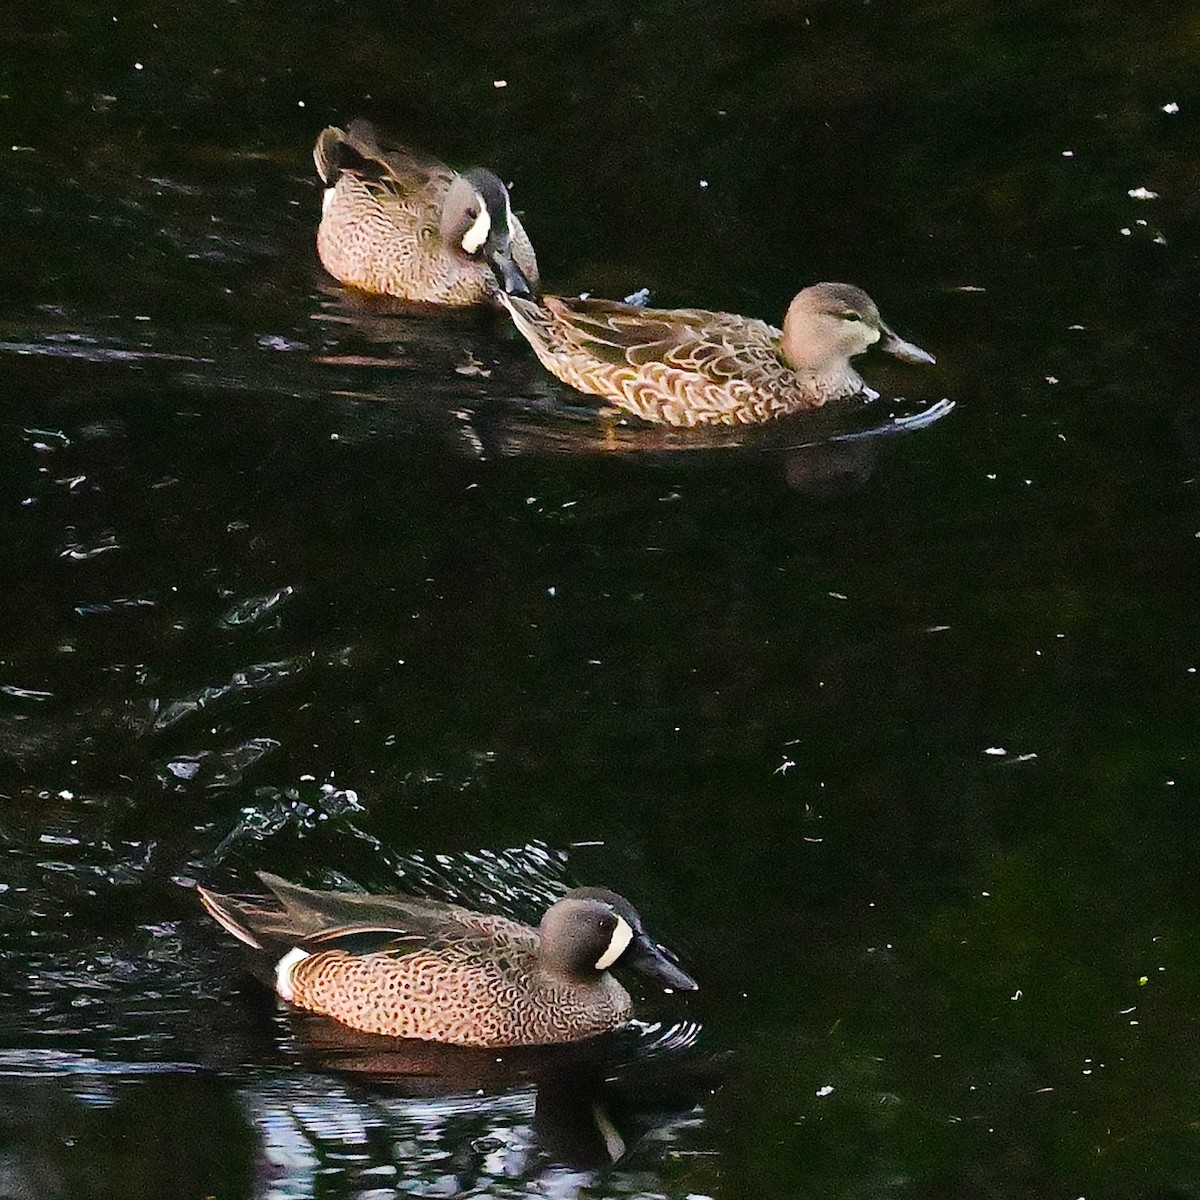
(480, 228)
(327, 201)
(283, 972)
(621, 938)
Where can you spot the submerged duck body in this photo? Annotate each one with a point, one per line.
(400, 224)
(692, 367)
(412, 968)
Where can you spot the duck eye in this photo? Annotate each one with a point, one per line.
(850, 315)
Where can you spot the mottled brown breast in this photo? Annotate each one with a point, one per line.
(453, 995)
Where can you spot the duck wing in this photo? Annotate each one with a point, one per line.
(716, 346)
(390, 171)
(356, 923)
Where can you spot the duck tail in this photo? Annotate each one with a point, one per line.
(527, 316)
(227, 913)
(326, 154)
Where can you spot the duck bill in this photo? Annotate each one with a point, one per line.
(658, 964)
(907, 351)
(510, 277)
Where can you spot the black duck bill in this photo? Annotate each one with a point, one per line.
(657, 963)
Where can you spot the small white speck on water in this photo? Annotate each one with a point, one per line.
(996, 751)
(299, 103)
(827, 1090)
(499, 83)
(138, 67)
(1068, 154)
(1142, 193)
(704, 183)
(1170, 109)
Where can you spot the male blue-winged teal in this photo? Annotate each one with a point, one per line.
(691, 367)
(413, 968)
(400, 224)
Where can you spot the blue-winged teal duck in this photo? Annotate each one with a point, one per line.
(412, 968)
(400, 224)
(690, 367)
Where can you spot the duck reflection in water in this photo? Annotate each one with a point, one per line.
(593, 1102)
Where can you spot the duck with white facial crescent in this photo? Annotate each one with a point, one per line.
(398, 223)
(407, 967)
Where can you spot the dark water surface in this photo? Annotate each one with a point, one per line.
(895, 741)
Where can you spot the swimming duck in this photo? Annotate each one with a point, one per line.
(413, 968)
(400, 224)
(690, 367)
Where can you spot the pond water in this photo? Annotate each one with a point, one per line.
(893, 740)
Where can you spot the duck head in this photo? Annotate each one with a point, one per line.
(477, 219)
(829, 323)
(592, 929)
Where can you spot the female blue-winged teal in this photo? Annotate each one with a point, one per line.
(412, 968)
(690, 367)
(400, 224)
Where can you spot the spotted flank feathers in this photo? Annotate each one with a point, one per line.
(691, 367)
(412, 968)
(400, 224)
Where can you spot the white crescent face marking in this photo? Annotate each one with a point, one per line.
(618, 943)
(479, 230)
(283, 973)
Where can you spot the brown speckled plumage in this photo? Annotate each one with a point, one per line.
(691, 367)
(469, 994)
(411, 968)
(385, 227)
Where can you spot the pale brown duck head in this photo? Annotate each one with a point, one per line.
(827, 324)
(477, 220)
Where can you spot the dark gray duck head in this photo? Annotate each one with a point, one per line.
(477, 219)
(594, 929)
